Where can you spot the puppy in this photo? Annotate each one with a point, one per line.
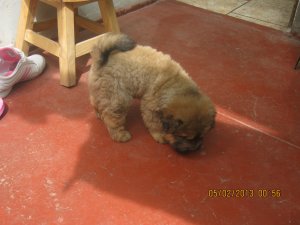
(173, 108)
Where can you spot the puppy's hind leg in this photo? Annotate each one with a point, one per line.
(114, 117)
(95, 107)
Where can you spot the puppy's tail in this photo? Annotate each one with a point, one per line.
(109, 43)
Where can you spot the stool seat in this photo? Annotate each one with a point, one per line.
(67, 17)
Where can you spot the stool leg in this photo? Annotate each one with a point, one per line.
(76, 28)
(109, 15)
(66, 36)
(28, 8)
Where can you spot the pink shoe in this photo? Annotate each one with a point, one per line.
(2, 107)
(16, 67)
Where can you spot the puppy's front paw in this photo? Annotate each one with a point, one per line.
(121, 136)
(158, 137)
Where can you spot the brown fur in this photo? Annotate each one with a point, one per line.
(173, 108)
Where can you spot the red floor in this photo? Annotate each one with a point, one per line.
(59, 166)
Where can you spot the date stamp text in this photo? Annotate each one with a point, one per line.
(244, 193)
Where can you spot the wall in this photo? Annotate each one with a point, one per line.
(10, 11)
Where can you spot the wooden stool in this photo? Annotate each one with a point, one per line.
(67, 15)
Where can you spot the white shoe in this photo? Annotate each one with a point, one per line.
(16, 67)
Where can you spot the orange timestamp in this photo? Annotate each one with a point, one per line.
(244, 193)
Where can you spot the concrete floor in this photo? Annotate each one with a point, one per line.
(271, 13)
(58, 164)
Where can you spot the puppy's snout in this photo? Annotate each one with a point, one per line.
(186, 146)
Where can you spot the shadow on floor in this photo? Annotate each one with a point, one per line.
(155, 176)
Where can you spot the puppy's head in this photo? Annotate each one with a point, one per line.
(186, 120)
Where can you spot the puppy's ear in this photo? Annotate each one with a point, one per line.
(169, 123)
(213, 113)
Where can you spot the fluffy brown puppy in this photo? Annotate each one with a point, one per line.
(173, 108)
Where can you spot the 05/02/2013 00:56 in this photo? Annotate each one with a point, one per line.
(244, 193)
